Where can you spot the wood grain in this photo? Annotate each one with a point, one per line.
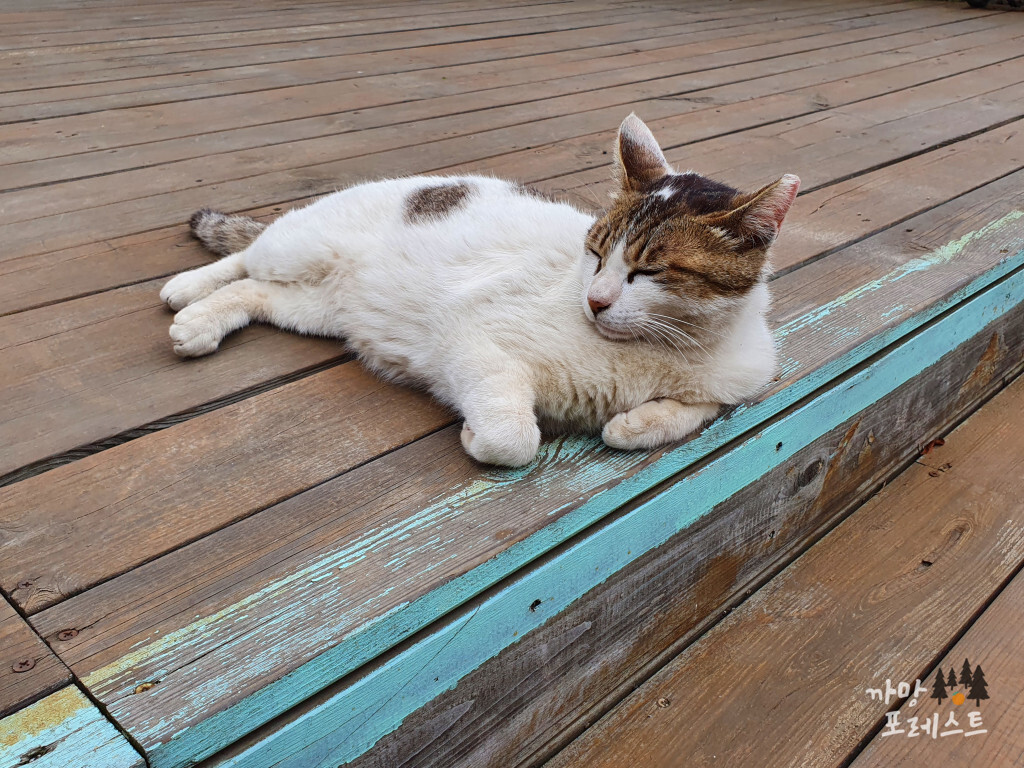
(873, 600)
(993, 642)
(406, 98)
(67, 272)
(28, 669)
(58, 275)
(552, 47)
(97, 366)
(94, 208)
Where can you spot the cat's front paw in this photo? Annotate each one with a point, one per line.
(509, 448)
(187, 288)
(627, 432)
(195, 332)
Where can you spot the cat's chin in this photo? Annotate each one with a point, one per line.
(613, 333)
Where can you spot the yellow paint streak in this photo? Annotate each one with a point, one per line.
(42, 716)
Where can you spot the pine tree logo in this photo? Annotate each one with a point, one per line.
(979, 688)
(970, 686)
(939, 686)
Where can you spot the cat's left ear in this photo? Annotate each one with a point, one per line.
(759, 216)
(640, 160)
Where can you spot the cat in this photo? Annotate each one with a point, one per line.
(520, 312)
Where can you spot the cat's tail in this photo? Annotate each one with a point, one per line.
(224, 234)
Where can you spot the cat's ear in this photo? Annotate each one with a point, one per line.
(758, 217)
(639, 159)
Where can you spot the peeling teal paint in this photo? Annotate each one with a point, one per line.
(345, 726)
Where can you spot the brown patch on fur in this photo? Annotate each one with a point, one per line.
(435, 202)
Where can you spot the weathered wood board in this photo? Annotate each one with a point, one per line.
(870, 603)
(93, 265)
(64, 730)
(993, 643)
(28, 668)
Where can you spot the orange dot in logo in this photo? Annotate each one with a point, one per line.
(959, 698)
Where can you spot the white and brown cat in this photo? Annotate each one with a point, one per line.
(522, 313)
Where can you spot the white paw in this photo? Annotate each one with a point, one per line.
(187, 288)
(512, 448)
(195, 332)
(626, 432)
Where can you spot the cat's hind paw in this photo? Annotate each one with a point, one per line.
(627, 433)
(655, 423)
(195, 332)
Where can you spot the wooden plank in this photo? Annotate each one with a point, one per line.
(48, 76)
(992, 642)
(332, 23)
(291, 27)
(81, 265)
(414, 518)
(28, 669)
(461, 123)
(55, 275)
(549, 49)
(98, 426)
(245, 178)
(101, 365)
(373, 99)
(873, 600)
(345, 725)
(64, 730)
(98, 501)
(121, 32)
(51, 276)
(141, 499)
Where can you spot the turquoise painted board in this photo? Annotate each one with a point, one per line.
(349, 723)
(171, 743)
(64, 730)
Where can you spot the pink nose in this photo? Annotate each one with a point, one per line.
(596, 305)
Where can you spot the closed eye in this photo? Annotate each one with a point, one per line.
(648, 272)
(596, 255)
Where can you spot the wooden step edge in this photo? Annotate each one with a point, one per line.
(347, 720)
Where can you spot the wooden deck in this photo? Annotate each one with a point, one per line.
(269, 558)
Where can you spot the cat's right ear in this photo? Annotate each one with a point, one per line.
(639, 159)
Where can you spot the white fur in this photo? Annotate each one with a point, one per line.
(483, 307)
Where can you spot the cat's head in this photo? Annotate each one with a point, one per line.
(675, 249)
